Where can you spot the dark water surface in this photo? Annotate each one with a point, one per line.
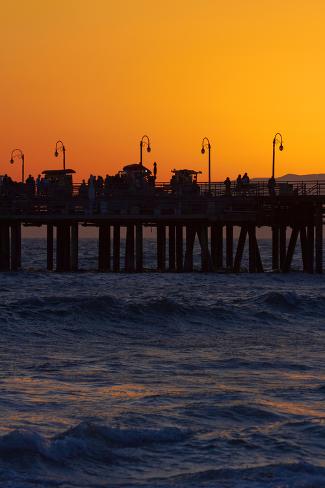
(161, 380)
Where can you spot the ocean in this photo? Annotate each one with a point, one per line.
(160, 379)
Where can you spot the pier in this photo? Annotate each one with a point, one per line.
(209, 214)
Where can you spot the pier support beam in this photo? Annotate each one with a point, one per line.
(171, 247)
(240, 248)
(139, 248)
(15, 246)
(252, 249)
(291, 249)
(63, 247)
(116, 248)
(275, 247)
(190, 238)
(319, 243)
(304, 248)
(4, 247)
(310, 246)
(206, 262)
(229, 245)
(255, 264)
(161, 247)
(49, 246)
(283, 245)
(129, 249)
(179, 247)
(259, 264)
(74, 246)
(217, 246)
(104, 248)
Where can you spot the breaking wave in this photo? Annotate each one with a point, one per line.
(86, 440)
(266, 306)
(291, 475)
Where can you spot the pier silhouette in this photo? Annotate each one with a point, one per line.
(181, 210)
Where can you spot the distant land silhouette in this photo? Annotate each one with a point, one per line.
(294, 177)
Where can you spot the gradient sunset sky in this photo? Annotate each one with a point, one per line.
(99, 74)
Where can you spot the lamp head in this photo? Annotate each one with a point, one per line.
(281, 147)
(11, 161)
(202, 150)
(56, 153)
(148, 149)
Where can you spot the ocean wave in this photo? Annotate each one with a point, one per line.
(79, 310)
(290, 301)
(86, 440)
(109, 307)
(290, 475)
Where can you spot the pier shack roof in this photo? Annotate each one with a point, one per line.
(58, 172)
(136, 167)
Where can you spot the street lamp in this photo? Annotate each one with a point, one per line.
(60, 146)
(206, 144)
(145, 141)
(18, 154)
(276, 141)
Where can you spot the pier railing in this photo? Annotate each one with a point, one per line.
(162, 200)
(257, 188)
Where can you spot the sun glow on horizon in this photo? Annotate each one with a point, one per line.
(100, 74)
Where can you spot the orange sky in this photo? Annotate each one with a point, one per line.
(99, 74)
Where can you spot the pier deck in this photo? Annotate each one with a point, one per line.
(294, 210)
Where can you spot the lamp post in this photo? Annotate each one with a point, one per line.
(60, 146)
(206, 144)
(275, 141)
(18, 154)
(145, 141)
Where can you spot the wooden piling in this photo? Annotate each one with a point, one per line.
(63, 247)
(229, 245)
(252, 249)
(161, 247)
(291, 249)
(283, 245)
(304, 248)
(4, 247)
(129, 249)
(319, 242)
(240, 248)
(190, 232)
(49, 246)
(171, 247)
(179, 247)
(259, 263)
(310, 246)
(15, 246)
(206, 262)
(116, 248)
(74, 246)
(104, 248)
(275, 247)
(139, 248)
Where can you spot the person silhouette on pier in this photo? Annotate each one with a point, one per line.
(38, 185)
(83, 192)
(238, 183)
(91, 192)
(30, 186)
(245, 179)
(227, 184)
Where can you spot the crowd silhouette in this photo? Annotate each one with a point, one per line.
(97, 186)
